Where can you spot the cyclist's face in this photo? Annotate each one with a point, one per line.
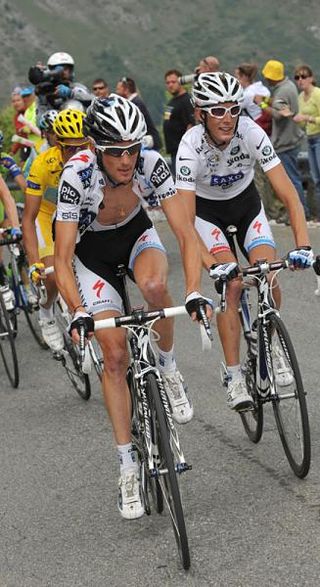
(69, 147)
(222, 129)
(121, 168)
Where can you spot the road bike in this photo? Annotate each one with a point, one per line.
(154, 434)
(270, 366)
(8, 351)
(19, 282)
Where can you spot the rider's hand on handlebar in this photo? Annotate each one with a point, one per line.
(195, 305)
(300, 258)
(81, 320)
(37, 272)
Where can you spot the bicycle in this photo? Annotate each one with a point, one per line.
(8, 351)
(153, 431)
(271, 368)
(17, 271)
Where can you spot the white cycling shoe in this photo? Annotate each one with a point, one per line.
(283, 372)
(52, 334)
(181, 407)
(129, 499)
(8, 297)
(238, 397)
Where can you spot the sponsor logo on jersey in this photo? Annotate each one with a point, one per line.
(266, 151)
(226, 181)
(258, 146)
(32, 185)
(266, 160)
(182, 178)
(97, 287)
(185, 159)
(84, 158)
(85, 175)
(69, 216)
(160, 173)
(235, 150)
(237, 158)
(68, 194)
(184, 170)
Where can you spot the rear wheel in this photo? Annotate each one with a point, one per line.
(7, 345)
(167, 474)
(289, 405)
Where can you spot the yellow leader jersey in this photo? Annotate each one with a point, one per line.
(43, 179)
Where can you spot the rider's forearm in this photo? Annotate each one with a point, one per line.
(9, 204)
(30, 240)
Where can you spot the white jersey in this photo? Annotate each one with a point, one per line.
(81, 187)
(221, 175)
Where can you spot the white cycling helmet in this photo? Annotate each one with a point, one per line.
(47, 119)
(60, 59)
(210, 89)
(113, 120)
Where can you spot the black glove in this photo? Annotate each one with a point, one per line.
(195, 302)
(82, 320)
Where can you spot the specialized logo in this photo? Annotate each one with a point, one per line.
(216, 233)
(160, 174)
(84, 158)
(185, 170)
(98, 287)
(226, 181)
(68, 194)
(143, 238)
(257, 226)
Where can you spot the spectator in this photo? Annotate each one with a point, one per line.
(286, 136)
(178, 115)
(309, 118)
(208, 64)
(19, 106)
(100, 88)
(126, 87)
(30, 113)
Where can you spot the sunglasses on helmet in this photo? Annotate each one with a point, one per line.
(221, 111)
(117, 151)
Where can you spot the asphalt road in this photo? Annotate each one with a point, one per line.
(250, 521)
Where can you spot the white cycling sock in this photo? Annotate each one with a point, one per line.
(127, 457)
(167, 361)
(46, 313)
(234, 371)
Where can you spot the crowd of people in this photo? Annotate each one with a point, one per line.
(90, 166)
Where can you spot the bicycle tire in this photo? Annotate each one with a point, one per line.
(287, 409)
(168, 480)
(7, 335)
(148, 483)
(31, 312)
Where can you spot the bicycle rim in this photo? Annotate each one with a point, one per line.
(168, 481)
(71, 363)
(96, 357)
(289, 405)
(7, 346)
(32, 317)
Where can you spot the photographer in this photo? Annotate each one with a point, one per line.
(54, 85)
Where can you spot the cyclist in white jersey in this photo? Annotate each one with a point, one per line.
(215, 171)
(100, 223)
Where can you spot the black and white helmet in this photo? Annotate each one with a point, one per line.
(113, 120)
(210, 89)
(47, 119)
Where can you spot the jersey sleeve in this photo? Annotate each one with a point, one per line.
(261, 148)
(36, 179)
(70, 195)
(158, 175)
(186, 166)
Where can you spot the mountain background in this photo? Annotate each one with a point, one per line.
(144, 38)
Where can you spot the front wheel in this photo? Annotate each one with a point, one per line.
(167, 474)
(289, 403)
(252, 420)
(7, 345)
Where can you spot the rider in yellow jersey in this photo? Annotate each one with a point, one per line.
(40, 205)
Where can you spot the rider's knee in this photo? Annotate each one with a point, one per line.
(153, 289)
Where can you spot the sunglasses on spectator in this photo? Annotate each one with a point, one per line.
(221, 111)
(98, 88)
(73, 148)
(115, 151)
(301, 76)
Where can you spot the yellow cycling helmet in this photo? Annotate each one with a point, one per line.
(68, 124)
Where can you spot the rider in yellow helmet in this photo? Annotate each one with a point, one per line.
(40, 205)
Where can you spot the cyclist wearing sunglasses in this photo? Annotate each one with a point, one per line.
(101, 222)
(215, 176)
(40, 205)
